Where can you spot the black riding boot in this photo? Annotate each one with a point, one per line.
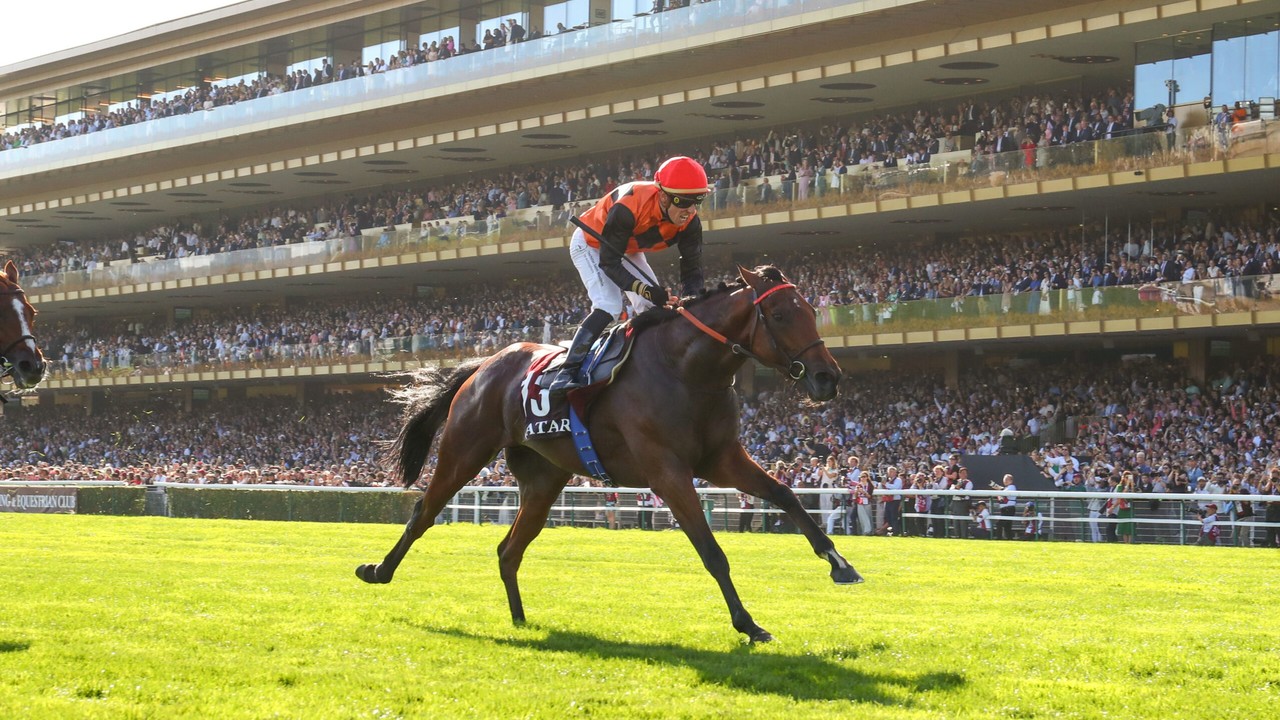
(583, 340)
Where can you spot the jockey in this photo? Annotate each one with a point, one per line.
(634, 219)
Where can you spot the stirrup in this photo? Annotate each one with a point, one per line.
(565, 381)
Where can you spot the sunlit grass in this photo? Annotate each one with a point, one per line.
(106, 617)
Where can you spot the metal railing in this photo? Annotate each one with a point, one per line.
(1065, 516)
(1161, 518)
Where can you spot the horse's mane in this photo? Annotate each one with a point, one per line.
(658, 315)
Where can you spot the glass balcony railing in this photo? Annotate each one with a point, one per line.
(959, 171)
(404, 85)
(1149, 300)
(108, 362)
(1199, 297)
(371, 243)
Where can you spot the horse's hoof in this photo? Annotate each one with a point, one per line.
(369, 574)
(846, 576)
(760, 635)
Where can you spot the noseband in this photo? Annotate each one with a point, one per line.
(794, 369)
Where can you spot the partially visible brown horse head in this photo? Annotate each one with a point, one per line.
(20, 357)
(791, 325)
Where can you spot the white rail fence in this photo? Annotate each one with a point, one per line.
(1172, 519)
(1158, 517)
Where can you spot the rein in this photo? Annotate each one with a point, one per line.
(794, 368)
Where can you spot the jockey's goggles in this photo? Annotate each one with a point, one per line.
(686, 201)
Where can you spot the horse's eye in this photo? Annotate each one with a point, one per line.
(777, 316)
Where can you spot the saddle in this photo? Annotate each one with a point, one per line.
(546, 417)
(601, 365)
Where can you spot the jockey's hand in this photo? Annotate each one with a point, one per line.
(673, 299)
(655, 294)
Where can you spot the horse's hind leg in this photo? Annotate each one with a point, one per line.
(738, 470)
(540, 484)
(460, 459)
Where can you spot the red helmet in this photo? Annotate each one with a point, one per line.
(681, 176)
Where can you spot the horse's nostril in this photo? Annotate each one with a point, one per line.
(30, 369)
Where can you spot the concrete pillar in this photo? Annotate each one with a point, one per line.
(601, 12)
(1197, 359)
(346, 49)
(951, 368)
(97, 403)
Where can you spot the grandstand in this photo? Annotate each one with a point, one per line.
(284, 199)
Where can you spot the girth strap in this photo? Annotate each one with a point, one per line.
(586, 453)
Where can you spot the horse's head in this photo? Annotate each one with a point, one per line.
(20, 358)
(790, 323)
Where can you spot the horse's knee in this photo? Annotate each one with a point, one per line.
(781, 495)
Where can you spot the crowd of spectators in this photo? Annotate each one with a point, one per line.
(1145, 417)
(1133, 423)
(1019, 267)
(1137, 424)
(477, 322)
(332, 441)
(211, 94)
(802, 156)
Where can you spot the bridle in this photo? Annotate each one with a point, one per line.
(6, 366)
(794, 369)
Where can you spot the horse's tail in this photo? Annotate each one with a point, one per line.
(426, 400)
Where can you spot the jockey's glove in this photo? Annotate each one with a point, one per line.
(656, 295)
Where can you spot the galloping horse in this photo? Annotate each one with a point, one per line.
(671, 415)
(20, 358)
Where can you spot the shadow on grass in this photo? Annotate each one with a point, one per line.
(13, 646)
(800, 677)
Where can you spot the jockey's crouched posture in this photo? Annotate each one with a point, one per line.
(634, 219)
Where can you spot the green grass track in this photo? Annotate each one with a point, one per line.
(105, 617)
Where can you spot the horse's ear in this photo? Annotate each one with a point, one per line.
(750, 278)
(11, 272)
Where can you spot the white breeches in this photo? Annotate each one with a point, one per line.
(603, 293)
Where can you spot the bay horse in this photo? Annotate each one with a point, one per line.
(670, 415)
(20, 358)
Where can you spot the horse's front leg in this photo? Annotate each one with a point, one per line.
(684, 505)
(737, 470)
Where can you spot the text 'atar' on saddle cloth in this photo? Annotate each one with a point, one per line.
(544, 417)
